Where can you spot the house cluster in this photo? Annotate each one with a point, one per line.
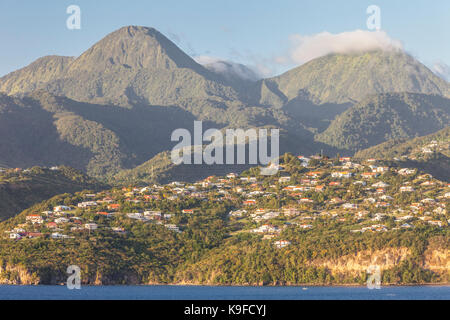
(427, 149)
(363, 196)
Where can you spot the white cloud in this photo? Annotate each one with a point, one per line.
(306, 48)
(228, 69)
(302, 49)
(442, 70)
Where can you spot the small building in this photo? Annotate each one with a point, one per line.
(282, 243)
(91, 226)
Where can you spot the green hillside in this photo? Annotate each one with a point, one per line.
(35, 75)
(384, 117)
(21, 189)
(42, 129)
(430, 153)
(339, 78)
(403, 148)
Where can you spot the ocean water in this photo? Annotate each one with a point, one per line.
(222, 293)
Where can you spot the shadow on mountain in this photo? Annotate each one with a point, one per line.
(29, 138)
(315, 117)
(438, 166)
(145, 131)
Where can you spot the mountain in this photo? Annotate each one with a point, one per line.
(133, 65)
(111, 111)
(383, 117)
(349, 78)
(47, 130)
(19, 189)
(160, 169)
(137, 64)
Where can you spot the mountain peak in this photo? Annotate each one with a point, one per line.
(133, 47)
(133, 30)
(343, 78)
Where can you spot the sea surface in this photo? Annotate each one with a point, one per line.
(222, 293)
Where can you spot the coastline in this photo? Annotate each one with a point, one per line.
(234, 286)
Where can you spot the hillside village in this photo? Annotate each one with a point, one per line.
(362, 196)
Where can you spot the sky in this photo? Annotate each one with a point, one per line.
(269, 36)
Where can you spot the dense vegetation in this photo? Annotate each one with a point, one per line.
(247, 260)
(387, 117)
(344, 78)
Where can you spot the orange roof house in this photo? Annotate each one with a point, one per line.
(113, 206)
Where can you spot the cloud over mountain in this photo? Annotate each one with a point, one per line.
(306, 48)
(442, 69)
(228, 69)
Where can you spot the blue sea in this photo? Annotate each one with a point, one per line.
(222, 293)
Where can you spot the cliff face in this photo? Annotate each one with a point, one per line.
(20, 275)
(438, 260)
(17, 275)
(398, 265)
(437, 257)
(361, 261)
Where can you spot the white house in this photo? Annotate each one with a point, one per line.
(349, 206)
(282, 243)
(62, 208)
(380, 184)
(87, 204)
(91, 226)
(15, 236)
(172, 227)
